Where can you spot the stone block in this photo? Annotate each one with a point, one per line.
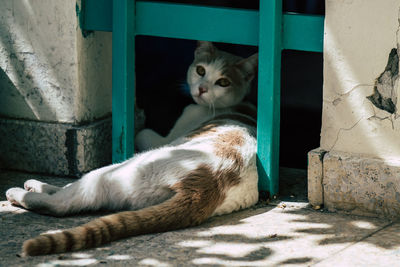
(54, 148)
(354, 183)
(361, 185)
(315, 174)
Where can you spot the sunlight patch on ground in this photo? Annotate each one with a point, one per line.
(233, 250)
(363, 225)
(81, 255)
(247, 226)
(119, 257)
(154, 262)
(220, 262)
(6, 206)
(79, 262)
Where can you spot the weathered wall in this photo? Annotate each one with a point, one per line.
(357, 167)
(48, 71)
(55, 89)
(94, 75)
(361, 81)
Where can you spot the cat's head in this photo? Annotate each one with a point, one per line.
(219, 79)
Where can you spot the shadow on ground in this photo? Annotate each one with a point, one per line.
(279, 233)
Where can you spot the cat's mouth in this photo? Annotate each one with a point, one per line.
(199, 100)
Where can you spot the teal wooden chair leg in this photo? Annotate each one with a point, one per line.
(123, 79)
(268, 120)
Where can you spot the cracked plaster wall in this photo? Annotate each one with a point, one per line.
(361, 82)
(48, 70)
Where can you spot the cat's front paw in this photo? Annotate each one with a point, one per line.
(16, 195)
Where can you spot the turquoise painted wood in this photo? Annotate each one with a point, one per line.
(268, 28)
(97, 15)
(123, 79)
(300, 32)
(303, 32)
(237, 26)
(268, 119)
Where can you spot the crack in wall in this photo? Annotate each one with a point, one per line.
(321, 158)
(376, 117)
(340, 96)
(341, 130)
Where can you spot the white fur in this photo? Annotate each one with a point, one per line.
(242, 195)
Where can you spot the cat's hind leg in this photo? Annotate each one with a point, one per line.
(28, 200)
(94, 191)
(33, 185)
(64, 201)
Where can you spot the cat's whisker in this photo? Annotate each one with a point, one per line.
(212, 102)
(211, 108)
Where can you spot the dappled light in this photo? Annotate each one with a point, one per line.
(73, 262)
(275, 234)
(363, 225)
(279, 233)
(27, 58)
(283, 231)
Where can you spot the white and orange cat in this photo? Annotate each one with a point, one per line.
(206, 166)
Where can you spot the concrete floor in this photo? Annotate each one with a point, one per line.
(285, 232)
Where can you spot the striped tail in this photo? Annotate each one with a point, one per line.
(196, 198)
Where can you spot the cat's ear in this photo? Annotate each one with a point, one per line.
(249, 66)
(205, 50)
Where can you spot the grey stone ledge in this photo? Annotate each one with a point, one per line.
(54, 148)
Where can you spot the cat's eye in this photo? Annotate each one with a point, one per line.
(200, 70)
(223, 82)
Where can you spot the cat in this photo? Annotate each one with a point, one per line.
(205, 166)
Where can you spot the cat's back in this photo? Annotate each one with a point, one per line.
(234, 124)
(228, 143)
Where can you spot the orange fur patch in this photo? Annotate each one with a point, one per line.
(226, 146)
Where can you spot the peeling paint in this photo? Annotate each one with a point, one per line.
(80, 14)
(385, 95)
(337, 101)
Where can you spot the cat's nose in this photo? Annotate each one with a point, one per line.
(202, 90)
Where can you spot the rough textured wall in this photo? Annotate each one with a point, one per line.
(94, 75)
(361, 80)
(48, 71)
(55, 89)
